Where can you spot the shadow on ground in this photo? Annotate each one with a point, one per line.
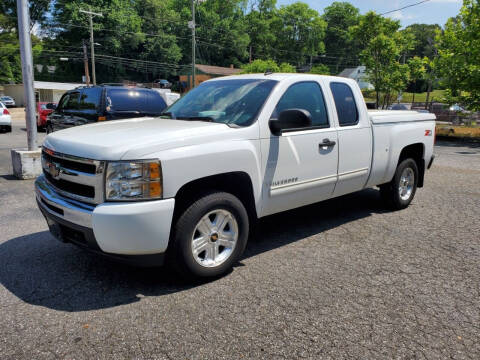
(42, 271)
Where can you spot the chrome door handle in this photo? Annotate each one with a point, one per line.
(327, 142)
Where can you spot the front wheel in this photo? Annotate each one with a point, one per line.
(209, 236)
(399, 193)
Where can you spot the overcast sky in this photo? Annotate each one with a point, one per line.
(431, 12)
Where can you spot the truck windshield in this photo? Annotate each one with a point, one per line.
(236, 101)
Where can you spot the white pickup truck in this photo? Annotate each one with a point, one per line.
(187, 186)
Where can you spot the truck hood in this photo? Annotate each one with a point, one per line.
(133, 138)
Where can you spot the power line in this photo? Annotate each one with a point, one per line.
(405, 7)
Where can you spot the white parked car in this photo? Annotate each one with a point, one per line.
(5, 119)
(168, 96)
(7, 101)
(186, 187)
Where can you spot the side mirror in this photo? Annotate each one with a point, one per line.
(51, 106)
(290, 119)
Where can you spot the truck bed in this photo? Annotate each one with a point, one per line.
(395, 116)
(392, 131)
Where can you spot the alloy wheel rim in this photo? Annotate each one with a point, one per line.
(214, 238)
(407, 180)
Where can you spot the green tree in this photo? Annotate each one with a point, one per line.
(8, 13)
(416, 66)
(424, 35)
(299, 32)
(458, 62)
(383, 47)
(258, 24)
(339, 42)
(221, 31)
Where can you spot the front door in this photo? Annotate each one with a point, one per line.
(301, 164)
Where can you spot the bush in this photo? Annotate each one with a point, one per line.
(320, 69)
(287, 68)
(260, 66)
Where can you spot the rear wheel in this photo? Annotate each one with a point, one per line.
(399, 193)
(209, 236)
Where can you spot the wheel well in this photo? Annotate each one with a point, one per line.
(415, 152)
(235, 183)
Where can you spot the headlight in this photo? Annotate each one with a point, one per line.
(130, 180)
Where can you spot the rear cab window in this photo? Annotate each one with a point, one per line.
(347, 110)
(125, 100)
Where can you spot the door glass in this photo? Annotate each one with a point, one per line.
(306, 96)
(345, 103)
(63, 102)
(73, 101)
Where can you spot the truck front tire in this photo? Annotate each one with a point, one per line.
(209, 236)
(399, 192)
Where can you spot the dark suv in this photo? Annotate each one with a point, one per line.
(86, 105)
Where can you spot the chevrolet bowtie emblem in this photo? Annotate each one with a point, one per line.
(54, 170)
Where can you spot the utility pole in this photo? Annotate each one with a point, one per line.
(91, 14)
(192, 25)
(27, 72)
(85, 62)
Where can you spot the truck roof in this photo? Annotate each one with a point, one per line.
(281, 76)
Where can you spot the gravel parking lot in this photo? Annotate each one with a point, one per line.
(340, 279)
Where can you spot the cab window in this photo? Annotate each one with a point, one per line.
(306, 96)
(345, 103)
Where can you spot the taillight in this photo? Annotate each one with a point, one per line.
(5, 112)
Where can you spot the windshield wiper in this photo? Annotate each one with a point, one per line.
(197, 118)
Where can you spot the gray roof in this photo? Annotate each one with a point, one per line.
(347, 72)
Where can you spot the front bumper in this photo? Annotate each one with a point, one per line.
(121, 230)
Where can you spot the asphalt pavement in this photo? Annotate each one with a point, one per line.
(340, 279)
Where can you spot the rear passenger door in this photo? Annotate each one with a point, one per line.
(90, 104)
(301, 164)
(354, 139)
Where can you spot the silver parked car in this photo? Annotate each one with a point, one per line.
(5, 119)
(8, 101)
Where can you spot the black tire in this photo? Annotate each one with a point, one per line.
(390, 192)
(180, 253)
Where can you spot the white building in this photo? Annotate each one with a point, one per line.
(44, 91)
(358, 74)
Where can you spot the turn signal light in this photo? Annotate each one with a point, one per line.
(102, 118)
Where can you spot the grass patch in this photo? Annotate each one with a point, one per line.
(407, 97)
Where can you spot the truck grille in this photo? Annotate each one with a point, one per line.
(74, 177)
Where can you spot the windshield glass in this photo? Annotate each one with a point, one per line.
(235, 101)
